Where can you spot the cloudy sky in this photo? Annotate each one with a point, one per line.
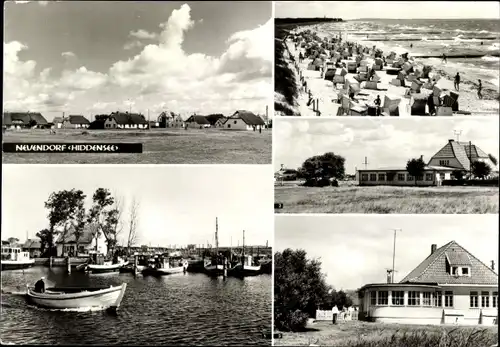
(386, 9)
(357, 251)
(385, 142)
(89, 57)
(178, 204)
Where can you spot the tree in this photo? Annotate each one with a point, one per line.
(493, 159)
(321, 168)
(480, 169)
(12, 240)
(298, 290)
(113, 225)
(133, 221)
(415, 168)
(65, 207)
(46, 241)
(458, 174)
(79, 227)
(98, 214)
(32, 123)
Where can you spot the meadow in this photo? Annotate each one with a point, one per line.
(160, 146)
(365, 334)
(350, 198)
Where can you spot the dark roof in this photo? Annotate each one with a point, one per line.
(85, 238)
(462, 151)
(10, 118)
(213, 118)
(197, 119)
(77, 119)
(32, 243)
(433, 268)
(248, 117)
(128, 118)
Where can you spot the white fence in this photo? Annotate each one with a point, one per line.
(328, 315)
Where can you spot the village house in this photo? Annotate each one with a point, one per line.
(196, 121)
(453, 156)
(450, 286)
(216, 120)
(33, 247)
(23, 120)
(119, 120)
(57, 122)
(244, 120)
(165, 120)
(75, 122)
(220, 122)
(86, 243)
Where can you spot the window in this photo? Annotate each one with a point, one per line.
(444, 162)
(473, 299)
(398, 297)
(465, 271)
(448, 299)
(364, 177)
(442, 176)
(436, 299)
(427, 299)
(439, 299)
(420, 178)
(235, 121)
(383, 298)
(454, 270)
(485, 299)
(414, 298)
(373, 298)
(410, 178)
(401, 177)
(373, 177)
(381, 177)
(494, 302)
(428, 177)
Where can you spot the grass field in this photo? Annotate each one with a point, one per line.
(384, 199)
(358, 333)
(160, 146)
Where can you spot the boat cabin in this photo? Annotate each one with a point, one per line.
(14, 253)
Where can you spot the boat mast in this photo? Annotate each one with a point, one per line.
(243, 246)
(216, 242)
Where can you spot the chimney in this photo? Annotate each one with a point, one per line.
(389, 277)
(493, 265)
(433, 248)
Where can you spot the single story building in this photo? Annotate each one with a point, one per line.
(120, 120)
(450, 286)
(86, 243)
(23, 120)
(58, 122)
(196, 121)
(244, 120)
(433, 176)
(216, 120)
(33, 247)
(178, 122)
(75, 122)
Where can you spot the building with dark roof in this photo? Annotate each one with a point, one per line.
(197, 121)
(75, 122)
(67, 243)
(460, 155)
(33, 246)
(244, 120)
(19, 120)
(450, 286)
(121, 120)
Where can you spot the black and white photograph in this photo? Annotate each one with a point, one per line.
(190, 81)
(387, 58)
(413, 281)
(136, 255)
(387, 166)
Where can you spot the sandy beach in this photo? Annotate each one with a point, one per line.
(325, 96)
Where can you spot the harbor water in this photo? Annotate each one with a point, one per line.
(180, 309)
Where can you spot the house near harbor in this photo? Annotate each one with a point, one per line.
(33, 247)
(244, 120)
(450, 286)
(120, 120)
(86, 242)
(453, 156)
(75, 122)
(23, 120)
(197, 122)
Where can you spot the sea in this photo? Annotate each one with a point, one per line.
(432, 37)
(179, 309)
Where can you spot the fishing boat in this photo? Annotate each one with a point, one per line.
(246, 267)
(215, 267)
(166, 265)
(108, 266)
(14, 258)
(76, 297)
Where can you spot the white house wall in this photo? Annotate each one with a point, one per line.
(436, 178)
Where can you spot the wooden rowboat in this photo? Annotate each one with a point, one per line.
(93, 268)
(75, 297)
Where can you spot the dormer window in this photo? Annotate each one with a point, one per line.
(458, 263)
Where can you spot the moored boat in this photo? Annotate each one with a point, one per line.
(166, 265)
(76, 297)
(106, 267)
(14, 258)
(246, 268)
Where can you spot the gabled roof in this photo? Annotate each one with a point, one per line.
(32, 243)
(85, 238)
(248, 117)
(24, 118)
(462, 151)
(198, 120)
(128, 118)
(214, 118)
(433, 268)
(77, 119)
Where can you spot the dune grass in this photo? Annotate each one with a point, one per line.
(160, 146)
(364, 334)
(383, 199)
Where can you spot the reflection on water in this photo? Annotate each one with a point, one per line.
(182, 309)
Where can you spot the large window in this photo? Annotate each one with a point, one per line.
(364, 177)
(494, 302)
(473, 299)
(448, 299)
(428, 177)
(401, 177)
(410, 178)
(381, 177)
(373, 177)
(398, 297)
(439, 299)
(383, 298)
(414, 298)
(485, 299)
(427, 299)
(373, 298)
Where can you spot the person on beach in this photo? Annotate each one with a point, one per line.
(411, 45)
(377, 103)
(301, 57)
(371, 74)
(457, 82)
(444, 59)
(40, 285)
(479, 89)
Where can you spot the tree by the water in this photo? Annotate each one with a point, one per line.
(133, 222)
(101, 215)
(480, 169)
(320, 169)
(415, 168)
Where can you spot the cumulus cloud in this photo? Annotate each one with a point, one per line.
(68, 54)
(143, 34)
